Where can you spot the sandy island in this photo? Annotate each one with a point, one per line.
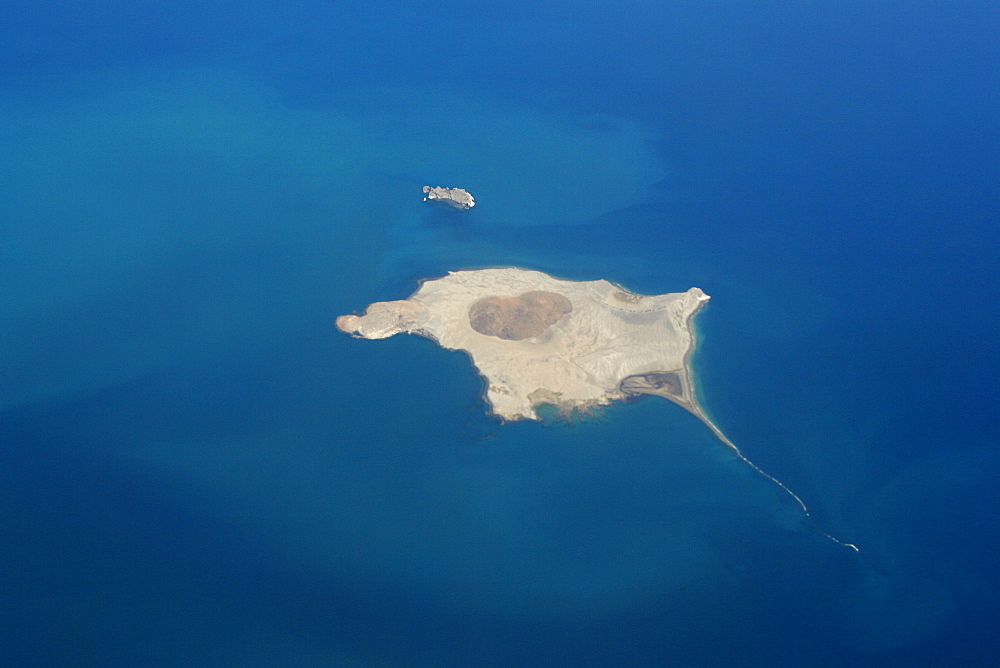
(540, 340)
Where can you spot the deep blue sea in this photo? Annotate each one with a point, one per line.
(197, 469)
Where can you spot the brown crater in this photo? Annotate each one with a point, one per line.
(516, 318)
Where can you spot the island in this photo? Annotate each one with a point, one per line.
(539, 340)
(453, 197)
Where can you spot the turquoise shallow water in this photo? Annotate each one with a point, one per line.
(198, 468)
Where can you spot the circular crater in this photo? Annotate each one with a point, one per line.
(517, 318)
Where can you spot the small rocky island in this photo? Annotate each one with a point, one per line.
(453, 197)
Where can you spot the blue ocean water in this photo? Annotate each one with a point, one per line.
(197, 468)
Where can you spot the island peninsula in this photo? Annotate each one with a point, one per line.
(541, 340)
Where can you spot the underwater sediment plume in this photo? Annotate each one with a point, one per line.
(541, 340)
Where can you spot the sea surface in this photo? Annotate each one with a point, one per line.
(196, 468)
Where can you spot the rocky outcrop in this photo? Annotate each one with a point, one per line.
(454, 197)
